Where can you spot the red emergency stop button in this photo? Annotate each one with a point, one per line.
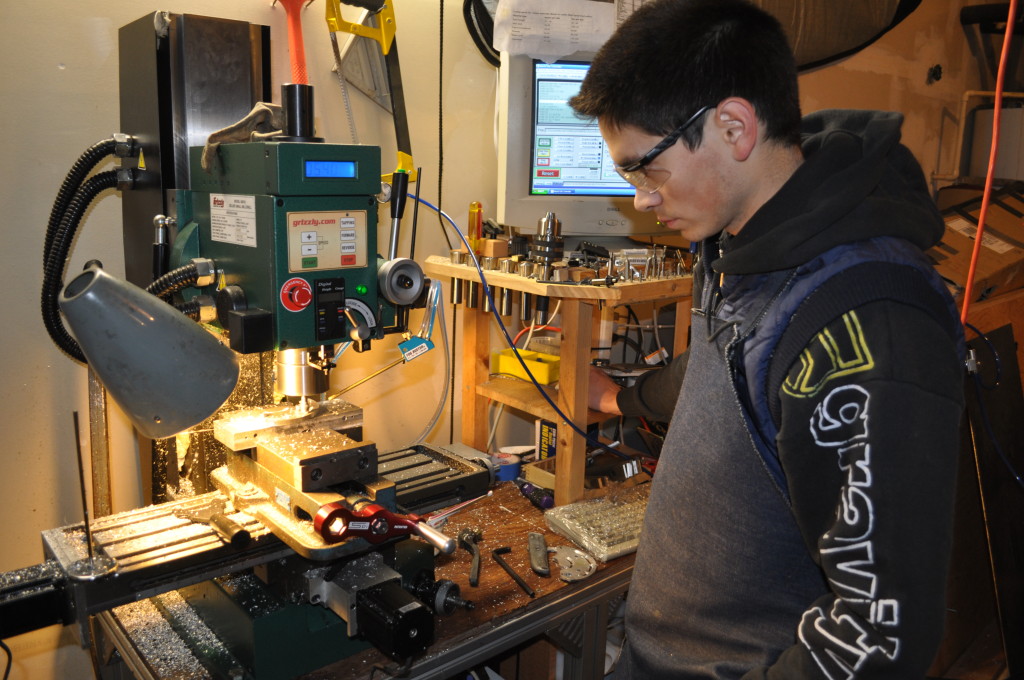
(296, 294)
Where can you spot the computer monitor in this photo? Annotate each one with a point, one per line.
(551, 160)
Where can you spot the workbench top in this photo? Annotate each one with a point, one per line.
(504, 614)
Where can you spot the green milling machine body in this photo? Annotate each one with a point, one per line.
(292, 228)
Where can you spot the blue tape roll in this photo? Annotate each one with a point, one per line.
(507, 466)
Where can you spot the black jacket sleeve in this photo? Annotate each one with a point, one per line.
(868, 442)
(654, 393)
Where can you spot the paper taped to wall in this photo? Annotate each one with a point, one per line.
(537, 29)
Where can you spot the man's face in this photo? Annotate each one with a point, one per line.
(699, 197)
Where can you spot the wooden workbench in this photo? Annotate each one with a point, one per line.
(574, 615)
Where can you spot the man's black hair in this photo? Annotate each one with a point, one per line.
(672, 57)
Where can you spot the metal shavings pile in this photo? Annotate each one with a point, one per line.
(190, 626)
(248, 591)
(158, 643)
(37, 572)
(75, 541)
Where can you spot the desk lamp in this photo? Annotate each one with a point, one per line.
(165, 371)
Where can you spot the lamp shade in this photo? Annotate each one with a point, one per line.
(164, 370)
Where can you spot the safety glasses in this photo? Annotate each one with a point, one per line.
(650, 180)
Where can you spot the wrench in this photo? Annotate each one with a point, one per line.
(467, 541)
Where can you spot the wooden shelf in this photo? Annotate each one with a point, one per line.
(622, 293)
(522, 395)
(586, 321)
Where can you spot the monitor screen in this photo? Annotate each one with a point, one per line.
(551, 161)
(569, 155)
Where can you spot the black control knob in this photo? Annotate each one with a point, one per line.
(230, 299)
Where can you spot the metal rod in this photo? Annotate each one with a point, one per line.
(438, 518)
(369, 377)
(99, 448)
(497, 555)
(81, 484)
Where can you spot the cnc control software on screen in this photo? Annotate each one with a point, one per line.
(569, 156)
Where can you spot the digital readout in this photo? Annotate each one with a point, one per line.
(331, 169)
(331, 297)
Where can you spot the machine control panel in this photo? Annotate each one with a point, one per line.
(326, 240)
(294, 226)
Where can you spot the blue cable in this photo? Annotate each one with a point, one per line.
(508, 338)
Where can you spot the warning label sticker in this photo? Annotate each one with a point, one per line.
(233, 219)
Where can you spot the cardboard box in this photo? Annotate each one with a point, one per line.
(545, 438)
(542, 473)
(1000, 265)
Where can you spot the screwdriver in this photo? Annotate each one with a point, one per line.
(538, 495)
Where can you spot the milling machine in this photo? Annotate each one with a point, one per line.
(273, 244)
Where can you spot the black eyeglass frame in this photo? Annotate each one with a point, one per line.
(668, 141)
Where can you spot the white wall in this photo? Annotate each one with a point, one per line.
(59, 95)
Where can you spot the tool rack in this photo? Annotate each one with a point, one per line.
(586, 314)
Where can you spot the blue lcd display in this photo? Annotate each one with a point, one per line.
(331, 169)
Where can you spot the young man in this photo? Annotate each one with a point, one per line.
(800, 516)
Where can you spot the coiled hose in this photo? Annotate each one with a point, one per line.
(56, 252)
(173, 281)
(189, 309)
(89, 159)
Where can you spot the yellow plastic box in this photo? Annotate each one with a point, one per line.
(544, 367)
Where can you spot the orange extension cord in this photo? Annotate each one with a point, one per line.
(993, 153)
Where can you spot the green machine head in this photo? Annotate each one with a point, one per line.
(292, 228)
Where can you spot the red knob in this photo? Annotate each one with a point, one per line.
(300, 295)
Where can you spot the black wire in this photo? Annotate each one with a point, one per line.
(173, 281)
(979, 385)
(10, 659)
(992, 435)
(627, 342)
(440, 219)
(481, 29)
(415, 218)
(995, 358)
(89, 159)
(191, 309)
(639, 334)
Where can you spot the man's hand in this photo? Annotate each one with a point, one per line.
(602, 392)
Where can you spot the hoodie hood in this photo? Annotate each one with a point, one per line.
(857, 182)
